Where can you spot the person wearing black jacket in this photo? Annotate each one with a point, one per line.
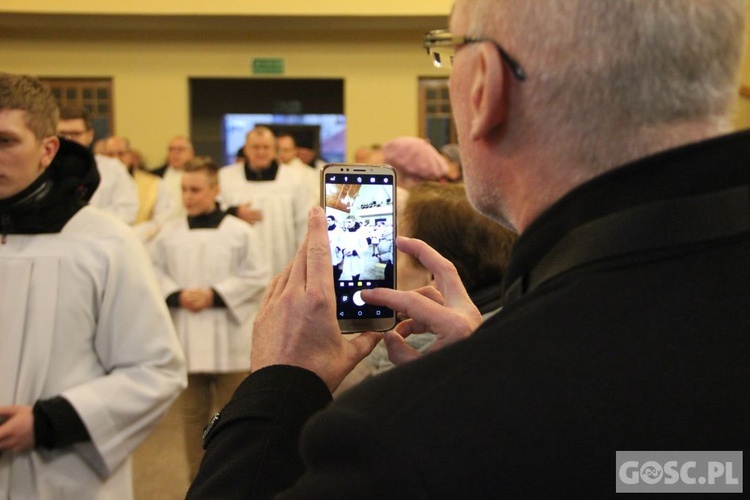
(624, 324)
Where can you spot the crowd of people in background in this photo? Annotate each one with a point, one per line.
(158, 192)
(216, 236)
(269, 188)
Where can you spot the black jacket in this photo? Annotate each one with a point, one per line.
(631, 343)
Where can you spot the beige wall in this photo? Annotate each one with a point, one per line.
(151, 75)
(150, 67)
(234, 7)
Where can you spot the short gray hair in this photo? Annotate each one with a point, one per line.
(603, 70)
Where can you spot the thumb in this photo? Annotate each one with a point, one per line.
(363, 344)
(399, 352)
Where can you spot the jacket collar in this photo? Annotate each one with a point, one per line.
(693, 170)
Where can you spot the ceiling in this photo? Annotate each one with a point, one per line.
(20, 25)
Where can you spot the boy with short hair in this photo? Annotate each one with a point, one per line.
(212, 277)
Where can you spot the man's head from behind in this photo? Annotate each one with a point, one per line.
(606, 83)
(28, 121)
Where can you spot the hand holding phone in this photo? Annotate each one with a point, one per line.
(296, 323)
(360, 205)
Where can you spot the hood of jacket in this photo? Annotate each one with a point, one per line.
(54, 197)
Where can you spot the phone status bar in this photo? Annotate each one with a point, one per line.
(358, 179)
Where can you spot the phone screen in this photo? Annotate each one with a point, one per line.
(360, 210)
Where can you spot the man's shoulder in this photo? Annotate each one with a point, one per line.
(234, 223)
(175, 224)
(231, 174)
(291, 174)
(295, 163)
(98, 225)
(93, 233)
(232, 167)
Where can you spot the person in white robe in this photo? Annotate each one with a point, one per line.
(273, 199)
(212, 277)
(117, 193)
(89, 357)
(154, 200)
(286, 150)
(334, 237)
(180, 150)
(353, 243)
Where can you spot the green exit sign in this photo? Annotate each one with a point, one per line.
(268, 66)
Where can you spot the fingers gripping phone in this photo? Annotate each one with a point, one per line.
(360, 205)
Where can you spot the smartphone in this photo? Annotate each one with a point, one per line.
(360, 205)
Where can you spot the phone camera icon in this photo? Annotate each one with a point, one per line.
(357, 299)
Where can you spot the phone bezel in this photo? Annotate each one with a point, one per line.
(355, 325)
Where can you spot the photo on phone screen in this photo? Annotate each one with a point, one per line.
(360, 203)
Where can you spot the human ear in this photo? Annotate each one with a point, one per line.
(489, 106)
(50, 146)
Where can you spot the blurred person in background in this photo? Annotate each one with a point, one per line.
(117, 192)
(212, 277)
(154, 201)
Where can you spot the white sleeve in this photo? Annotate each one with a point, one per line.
(144, 368)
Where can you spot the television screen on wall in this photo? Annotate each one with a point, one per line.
(328, 131)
